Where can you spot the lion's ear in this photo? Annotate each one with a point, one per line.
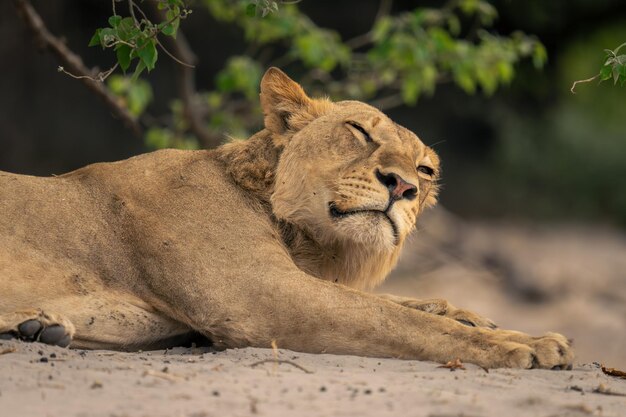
(285, 104)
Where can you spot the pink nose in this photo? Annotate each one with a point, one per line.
(397, 186)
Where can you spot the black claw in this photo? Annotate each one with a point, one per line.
(29, 329)
(52, 335)
(467, 323)
(7, 336)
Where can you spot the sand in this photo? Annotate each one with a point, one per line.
(48, 381)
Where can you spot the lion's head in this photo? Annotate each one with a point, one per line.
(349, 177)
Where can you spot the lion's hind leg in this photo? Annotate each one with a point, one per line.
(37, 326)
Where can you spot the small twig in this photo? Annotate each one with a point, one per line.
(279, 361)
(142, 13)
(8, 350)
(74, 64)
(100, 77)
(131, 7)
(588, 80)
(168, 53)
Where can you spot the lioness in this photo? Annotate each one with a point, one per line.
(268, 239)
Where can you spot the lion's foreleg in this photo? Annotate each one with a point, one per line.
(306, 314)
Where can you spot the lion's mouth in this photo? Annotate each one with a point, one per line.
(339, 214)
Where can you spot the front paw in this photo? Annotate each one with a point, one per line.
(519, 350)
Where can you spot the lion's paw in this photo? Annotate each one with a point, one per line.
(37, 326)
(551, 351)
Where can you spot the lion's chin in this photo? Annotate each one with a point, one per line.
(371, 229)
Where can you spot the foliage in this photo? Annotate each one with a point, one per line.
(614, 67)
(402, 57)
(135, 39)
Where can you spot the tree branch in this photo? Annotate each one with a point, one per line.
(74, 64)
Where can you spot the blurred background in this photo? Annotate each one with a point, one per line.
(531, 229)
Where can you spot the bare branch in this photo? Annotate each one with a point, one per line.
(279, 361)
(588, 80)
(168, 53)
(100, 77)
(74, 64)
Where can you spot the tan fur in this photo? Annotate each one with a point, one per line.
(268, 239)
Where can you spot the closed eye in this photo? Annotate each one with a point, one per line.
(358, 127)
(426, 170)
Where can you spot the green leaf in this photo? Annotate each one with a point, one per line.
(172, 28)
(454, 25)
(540, 55)
(123, 56)
(95, 39)
(616, 73)
(606, 72)
(138, 70)
(157, 138)
(251, 10)
(505, 71)
(381, 28)
(115, 20)
(464, 80)
(147, 52)
(139, 96)
(411, 89)
(107, 36)
(126, 29)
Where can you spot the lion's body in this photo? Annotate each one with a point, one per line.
(253, 242)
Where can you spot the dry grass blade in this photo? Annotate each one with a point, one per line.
(279, 361)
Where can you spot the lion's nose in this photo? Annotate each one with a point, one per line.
(397, 186)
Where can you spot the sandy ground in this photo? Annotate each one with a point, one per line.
(567, 279)
(47, 381)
